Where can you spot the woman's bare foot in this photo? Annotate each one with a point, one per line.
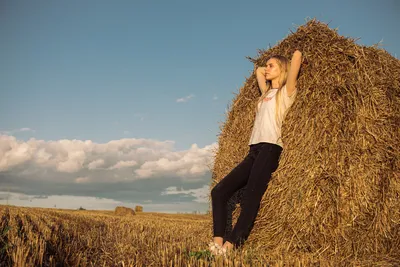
(215, 246)
(226, 249)
(228, 246)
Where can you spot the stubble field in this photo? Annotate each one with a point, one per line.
(55, 237)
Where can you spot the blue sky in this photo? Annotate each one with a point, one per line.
(161, 71)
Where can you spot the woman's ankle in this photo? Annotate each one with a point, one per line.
(219, 240)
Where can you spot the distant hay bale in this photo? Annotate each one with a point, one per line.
(138, 208)
(336, 192)
(123, 211)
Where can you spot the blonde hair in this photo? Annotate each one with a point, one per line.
(284, 66)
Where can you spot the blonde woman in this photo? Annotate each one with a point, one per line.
(277, 83)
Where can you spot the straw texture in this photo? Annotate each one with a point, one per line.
(335, 196)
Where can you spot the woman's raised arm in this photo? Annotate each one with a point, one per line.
(260, 73)
(293, 72)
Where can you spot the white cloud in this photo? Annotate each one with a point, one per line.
(73, 162)
(184, 99)
(95, 164)
(200, 194)
(42, 157)
(123, 164)
(186, 164)
(215, 97)
(118, 160)
(24, 129)
(13, 152)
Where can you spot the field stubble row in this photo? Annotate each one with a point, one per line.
(51, 237)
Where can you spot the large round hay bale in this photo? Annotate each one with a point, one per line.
(124, 211)
(138, 208)
(336, 192)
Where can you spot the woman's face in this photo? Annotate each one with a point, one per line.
(272, 70)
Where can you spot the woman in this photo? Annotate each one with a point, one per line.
(277, 83)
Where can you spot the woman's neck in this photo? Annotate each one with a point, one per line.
(275, 84)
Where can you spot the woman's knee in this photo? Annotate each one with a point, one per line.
(216, 191)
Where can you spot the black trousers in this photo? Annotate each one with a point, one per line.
(254, 172)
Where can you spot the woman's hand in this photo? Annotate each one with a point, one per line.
(261, 70)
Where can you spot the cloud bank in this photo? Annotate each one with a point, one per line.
(121, 170)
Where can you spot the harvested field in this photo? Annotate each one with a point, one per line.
(51, 237)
